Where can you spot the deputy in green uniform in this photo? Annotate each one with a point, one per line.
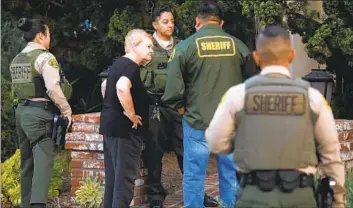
(200, 70)
(36, 86)
(165, 123)
(282, 127)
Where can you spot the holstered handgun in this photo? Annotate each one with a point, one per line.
(60, 124)
(324, 193)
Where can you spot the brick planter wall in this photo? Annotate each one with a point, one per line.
(87, 158)
(345, 135)
(87, 152)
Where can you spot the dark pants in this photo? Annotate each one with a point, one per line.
(34, 127)
(121, 163)
(166, 134)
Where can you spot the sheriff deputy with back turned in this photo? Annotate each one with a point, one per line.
(283, 130)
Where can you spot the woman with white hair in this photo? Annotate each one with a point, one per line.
(125, 109)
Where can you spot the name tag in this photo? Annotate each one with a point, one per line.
(21, 73)
(215, 46)
(275, 103)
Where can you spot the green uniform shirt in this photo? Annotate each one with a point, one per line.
(201, 69)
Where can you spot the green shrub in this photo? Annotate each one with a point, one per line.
(349, 186)
(10, 178)
(90, 193)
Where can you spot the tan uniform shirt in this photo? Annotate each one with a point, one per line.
(223, 126)
(51, 78)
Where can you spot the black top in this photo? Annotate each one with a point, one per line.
(113, 122)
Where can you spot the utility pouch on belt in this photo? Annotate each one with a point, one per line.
(266, 180)
(289, 180)
(285, 180)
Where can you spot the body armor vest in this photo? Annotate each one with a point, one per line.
(275, 129)
(26, 81)
(154, 74)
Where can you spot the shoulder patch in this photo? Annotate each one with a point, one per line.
(326, 103)
(53, 63)
(172, 55)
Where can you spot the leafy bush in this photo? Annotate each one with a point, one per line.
(90, 193)
(349, 186)
(12, 43)
(10, 178)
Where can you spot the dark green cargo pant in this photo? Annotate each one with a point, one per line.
(251, 196)
(33, 125)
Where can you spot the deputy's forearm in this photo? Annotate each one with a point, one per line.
(126, 102)
(57, 96)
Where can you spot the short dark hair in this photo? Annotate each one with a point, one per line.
(31, 27)
(273, 44)
(273, 31)
(210, 9)
(160, 9)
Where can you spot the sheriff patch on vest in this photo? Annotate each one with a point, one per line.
(275, 103)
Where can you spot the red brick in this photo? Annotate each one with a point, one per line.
(93, 164)
(92, 118)
(85, 127)
(78, 118)
(344, 148)
(345, 135)
(87, 118)
(76, 173)
(75, 182)
(76, 145)
(87, 155)
(75, 136)
(93, 137)
(76, 164)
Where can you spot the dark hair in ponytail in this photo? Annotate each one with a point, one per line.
(31, 27)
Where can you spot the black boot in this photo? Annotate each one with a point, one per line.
(209, 201)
